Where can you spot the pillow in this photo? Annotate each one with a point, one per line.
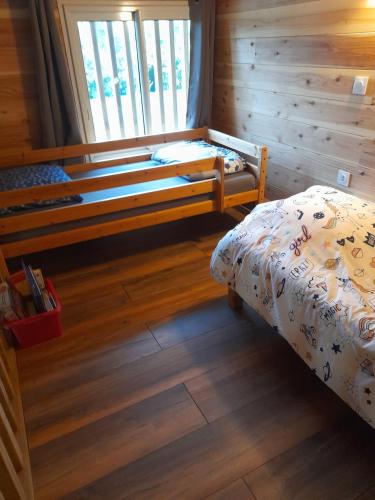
(197, 150)
(34, 175)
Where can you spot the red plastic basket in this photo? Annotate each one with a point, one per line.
(39, 328)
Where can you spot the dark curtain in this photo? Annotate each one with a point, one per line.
(58, 115)
(202, 35)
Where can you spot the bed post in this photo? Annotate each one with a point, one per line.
(235, 302)
(262, 173)
(4, 271)
(220, 183)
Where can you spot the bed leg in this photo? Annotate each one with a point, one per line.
(4, 271)
(235, 302)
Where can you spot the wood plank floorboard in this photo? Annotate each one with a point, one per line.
(54, 409)
(237, 490)
(207, 459)
(158, 390)
(200, 320)
(114, 441)
(343, 468)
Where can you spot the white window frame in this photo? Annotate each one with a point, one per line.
(72, 11)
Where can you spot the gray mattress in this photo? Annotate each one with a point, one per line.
(233, 183)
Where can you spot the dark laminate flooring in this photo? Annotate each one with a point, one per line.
(158, 390)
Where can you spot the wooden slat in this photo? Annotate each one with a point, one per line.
(4, 376)
(105, 229)
(4, 273)
(10, 483)
(262, 174)
(3, 348)
(234, 143)
(44, 155)
(10, 441)
(8, 407)
(240, 198)
(85, 167)
(52, 216)
(25, 472)
(105, 181)
(220, 184)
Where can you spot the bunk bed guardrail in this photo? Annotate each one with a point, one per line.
(54, 216)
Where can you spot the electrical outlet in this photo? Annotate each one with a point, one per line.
(343, 178)
(360, 85)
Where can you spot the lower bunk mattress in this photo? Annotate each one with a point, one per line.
(307, 266)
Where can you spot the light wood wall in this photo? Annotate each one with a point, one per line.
(19, 113)
(283, 76)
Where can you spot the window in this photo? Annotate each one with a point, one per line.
(129, 63)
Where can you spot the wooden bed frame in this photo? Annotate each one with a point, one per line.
(50, 217)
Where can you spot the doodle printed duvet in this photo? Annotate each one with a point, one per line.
(307, 265)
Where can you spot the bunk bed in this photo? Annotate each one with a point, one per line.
(124, 193)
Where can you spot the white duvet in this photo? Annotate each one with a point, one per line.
(307, 265)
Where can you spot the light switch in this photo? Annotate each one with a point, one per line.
(360, 85)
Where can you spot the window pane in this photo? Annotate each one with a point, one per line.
(182, 49)
(112, 77)
(92, 80)
(112, 63)
(154, 83)
(167, 49)
(167, 68)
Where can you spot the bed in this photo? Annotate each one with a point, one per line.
(306, 264)
(95, 198)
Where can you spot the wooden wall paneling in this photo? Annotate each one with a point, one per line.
(330, 83)
(19, 111)
(327, 141)
(350, 117)
(350, 50)
(306, 19)
(283, 76)
(312, 164)
(242, 6)
(245, 8)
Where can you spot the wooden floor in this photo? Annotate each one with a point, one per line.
(157, 390)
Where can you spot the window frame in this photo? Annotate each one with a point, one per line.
(72, 11)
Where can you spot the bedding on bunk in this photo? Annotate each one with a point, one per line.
(198, 150)
(307, 265)
(34, 175)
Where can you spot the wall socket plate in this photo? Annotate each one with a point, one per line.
(343, 178)
(360, 85)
